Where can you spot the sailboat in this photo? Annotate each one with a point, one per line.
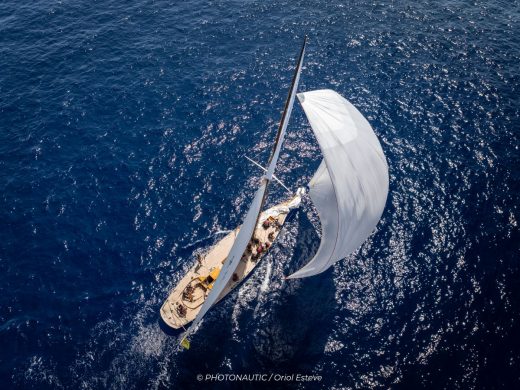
(349, 190)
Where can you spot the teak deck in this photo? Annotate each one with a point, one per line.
(209, 263)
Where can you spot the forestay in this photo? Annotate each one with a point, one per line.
(250, 222)
(350, 187)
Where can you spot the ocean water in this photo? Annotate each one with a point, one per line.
(123, 131)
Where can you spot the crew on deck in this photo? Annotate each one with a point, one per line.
(181, 310)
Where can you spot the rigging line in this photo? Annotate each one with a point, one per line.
(265, 170)
(276, 146)
(261, 192)
(288, 100)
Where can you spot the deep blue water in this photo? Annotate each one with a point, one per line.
(123, 127)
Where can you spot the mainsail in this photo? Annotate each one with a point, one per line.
(350, 187)
(248, 227)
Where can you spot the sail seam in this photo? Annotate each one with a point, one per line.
(337, 212)
(337, 208)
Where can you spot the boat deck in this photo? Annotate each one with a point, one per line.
(184, 302)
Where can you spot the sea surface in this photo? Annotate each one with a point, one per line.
(124, 127)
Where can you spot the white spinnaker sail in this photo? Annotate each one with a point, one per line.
(248, 227)
(350, 187)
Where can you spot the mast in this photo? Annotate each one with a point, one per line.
(286, 112)
(280, 135)
(248, 227)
